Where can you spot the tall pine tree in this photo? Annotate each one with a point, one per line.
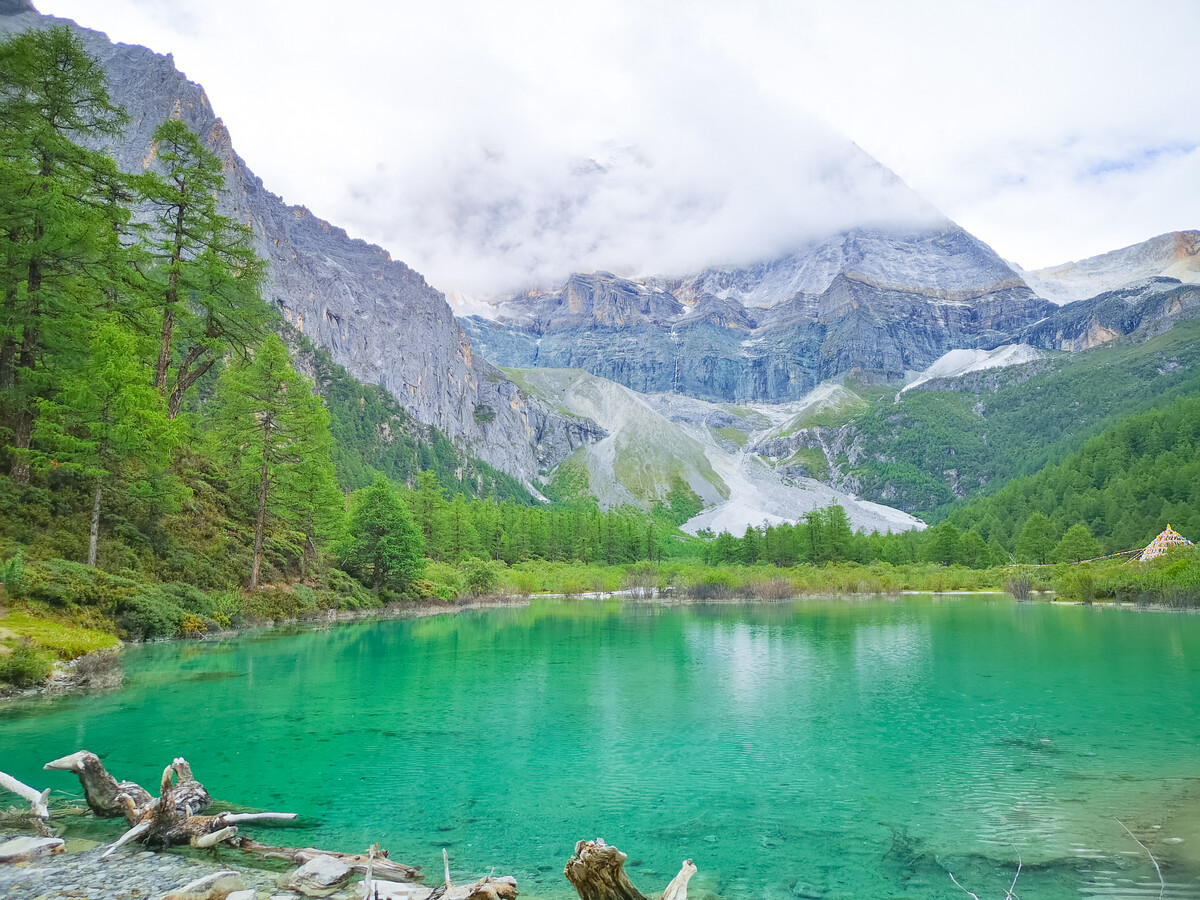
(205, 276)
(107, 424)
(56, 224)
(274, 433)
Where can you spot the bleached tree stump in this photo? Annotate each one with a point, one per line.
(597, 872)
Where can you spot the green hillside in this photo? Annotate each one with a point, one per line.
(968, 436)
(1125, 485)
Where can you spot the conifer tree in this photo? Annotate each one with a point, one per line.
(56, 226)
(382, 546)
(838, 533)
(943, 544)
(975, 552)
(317, 503)
(1077, 544)
(461, 539)
(107, 424)
(429, 512)
(274, 433)
(1036, 540)
(204, 275)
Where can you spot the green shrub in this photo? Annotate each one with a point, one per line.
(145, 617)
(24, 666)
(446, 581)
(348, 593)
(10, 574)
(192, 626)
(271, 604)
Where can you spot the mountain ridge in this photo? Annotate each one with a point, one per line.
(1175, 254)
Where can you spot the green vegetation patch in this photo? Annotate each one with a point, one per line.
(936, 446)
(811, 460)
(736, 435)
(63, 640)
(571, 480)
(840, 410)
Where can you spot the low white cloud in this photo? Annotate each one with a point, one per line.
(493, 146)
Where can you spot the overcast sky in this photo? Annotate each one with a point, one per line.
(496, 145)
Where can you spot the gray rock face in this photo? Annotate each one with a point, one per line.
(866, 301)
(1142, 310)
(376, 316)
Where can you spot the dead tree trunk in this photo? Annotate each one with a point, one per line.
(173, 818)
(102, 792)
(597, 872)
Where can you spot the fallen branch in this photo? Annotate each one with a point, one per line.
(486, 888)
(234, 818)
(961, 888)
(597, 872)
(206, 841)
(380, 865)
(132, 834)
(1008, 895)
(38, 800)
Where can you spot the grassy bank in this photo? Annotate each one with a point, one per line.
(31, 644)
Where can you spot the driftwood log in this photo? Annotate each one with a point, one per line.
(377, 863)
(104, 795)
(597, 872)
(175, 817)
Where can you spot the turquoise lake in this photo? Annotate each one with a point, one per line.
(811, 749)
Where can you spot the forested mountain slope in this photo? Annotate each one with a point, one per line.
(952, 438)
(1125, 485)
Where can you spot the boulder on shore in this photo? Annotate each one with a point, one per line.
(20, 849)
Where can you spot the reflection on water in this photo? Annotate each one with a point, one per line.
(815, 749)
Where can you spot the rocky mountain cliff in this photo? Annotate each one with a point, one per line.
(376, 316)
(877, 302)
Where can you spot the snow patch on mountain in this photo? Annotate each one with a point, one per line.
(960, 362)
(944, 262)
